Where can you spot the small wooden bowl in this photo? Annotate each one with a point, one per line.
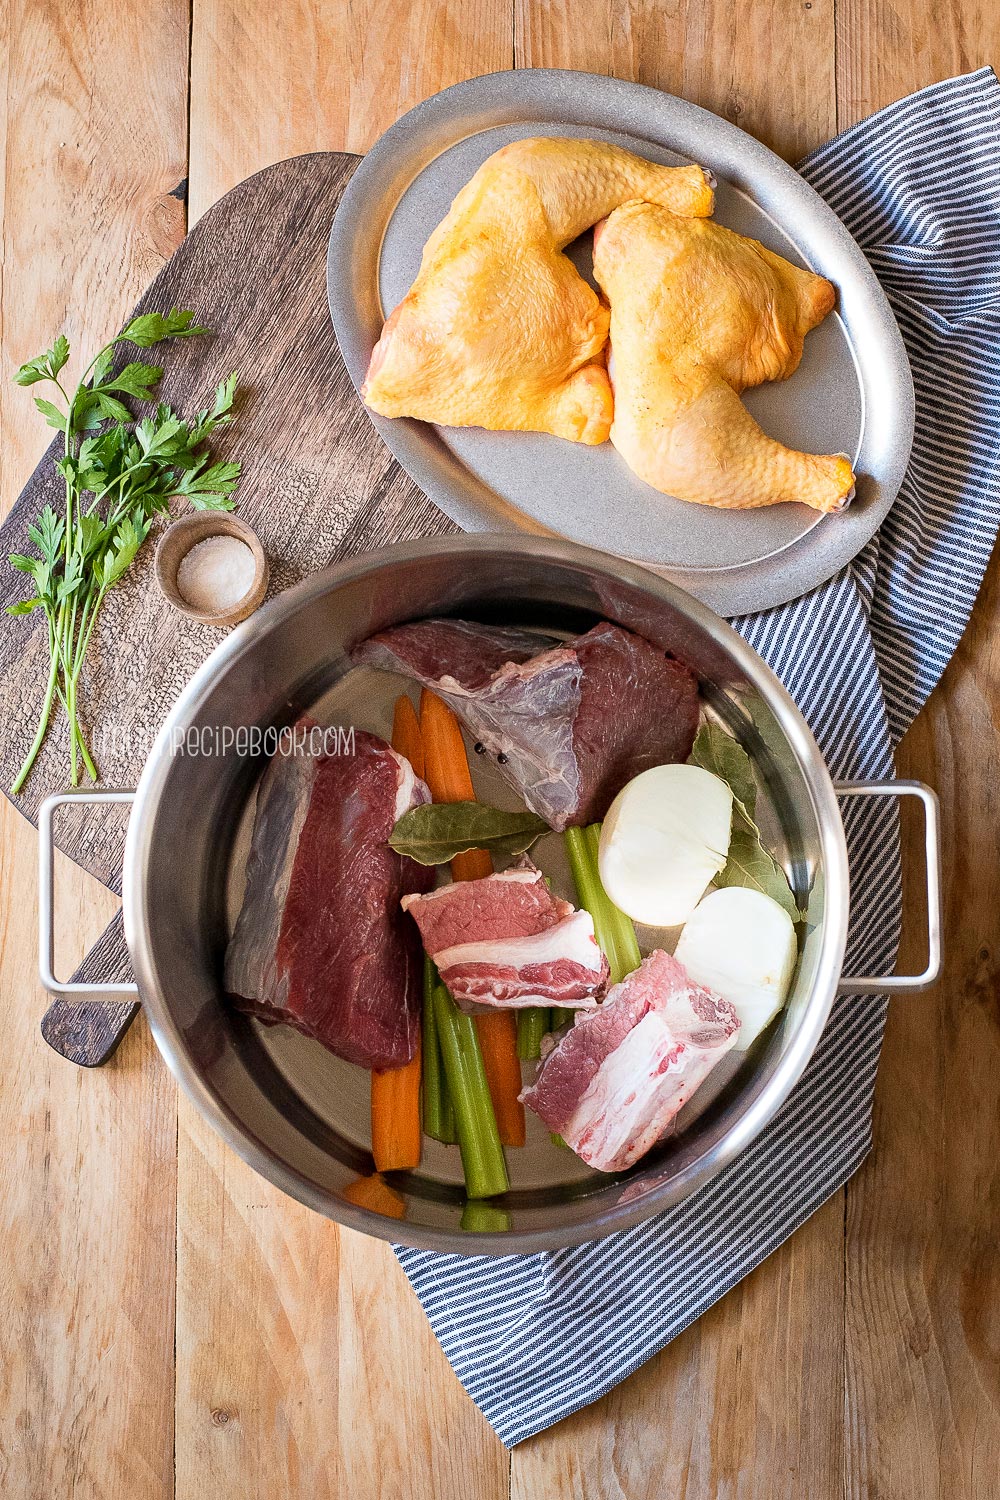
(177, 541)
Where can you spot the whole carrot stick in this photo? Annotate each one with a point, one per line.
(396, 1132)
(446, 771)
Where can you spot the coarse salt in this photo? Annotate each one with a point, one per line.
(216, 573)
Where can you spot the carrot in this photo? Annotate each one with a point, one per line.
(406, 736)
(497, 1034)
(446, 765)
(376, 1195)
(446, 771)
(396, 1130)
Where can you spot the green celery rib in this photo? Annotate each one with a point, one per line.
(532, 1024)
(626, 941)
(478, 1138)
(614, 930)
(439, 1114)
(559, 1017)
(591, 895)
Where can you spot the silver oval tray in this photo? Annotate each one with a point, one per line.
(853, 392)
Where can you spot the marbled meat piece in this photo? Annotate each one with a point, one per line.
(505, 941)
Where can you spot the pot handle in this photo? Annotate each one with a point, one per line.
(46, 902)
(906, 983)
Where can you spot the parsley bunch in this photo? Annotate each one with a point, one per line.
(119, 474)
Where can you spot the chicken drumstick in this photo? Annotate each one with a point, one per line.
(699, 314)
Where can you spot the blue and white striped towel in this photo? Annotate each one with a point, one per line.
(533, 1338)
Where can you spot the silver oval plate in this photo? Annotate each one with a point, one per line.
(853, 392)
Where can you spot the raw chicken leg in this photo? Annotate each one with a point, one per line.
(499, 330)
(699, 314)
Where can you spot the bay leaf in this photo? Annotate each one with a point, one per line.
(748, 863)
(716, 751)
(434, 833)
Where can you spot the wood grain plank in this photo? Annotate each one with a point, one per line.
(257, 1383)
(745, 1404)
(923, 1275)
(767, 65)
(888, 48)
(270, 81)
(305, 1341)
(407, 1428)
(720, 1411)
(344, 1401)
(95, 140)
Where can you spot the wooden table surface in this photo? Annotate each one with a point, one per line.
(170, 1324)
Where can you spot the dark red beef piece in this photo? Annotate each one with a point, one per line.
(321, 943)
(570, 725)
(638, 708)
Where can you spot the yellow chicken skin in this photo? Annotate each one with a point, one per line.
(699, 314)
(499, 330)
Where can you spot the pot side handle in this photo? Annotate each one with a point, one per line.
(865, 984)
(72, 990)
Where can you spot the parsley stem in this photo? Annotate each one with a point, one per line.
(68, 700)
(79, 735)
(86, 630)
(74, 774)
(43, 724)
(118, 481)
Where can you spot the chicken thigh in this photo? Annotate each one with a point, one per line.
(499, 330)
(699, 314)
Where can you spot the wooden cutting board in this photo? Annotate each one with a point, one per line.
(317, 484)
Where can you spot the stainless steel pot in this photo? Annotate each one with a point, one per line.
(290, 1110)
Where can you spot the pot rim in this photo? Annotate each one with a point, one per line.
(255, 1152)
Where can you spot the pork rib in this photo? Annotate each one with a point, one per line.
(618, 1077)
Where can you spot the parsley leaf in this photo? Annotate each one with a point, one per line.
(129, 470)
(151, 328)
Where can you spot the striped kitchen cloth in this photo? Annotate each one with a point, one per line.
(533, 1338)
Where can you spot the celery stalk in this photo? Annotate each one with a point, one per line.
(484, 1218)
(625, 939)
(439, 1116)
(614, 931)
(532, 1024)
(478, 1138)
